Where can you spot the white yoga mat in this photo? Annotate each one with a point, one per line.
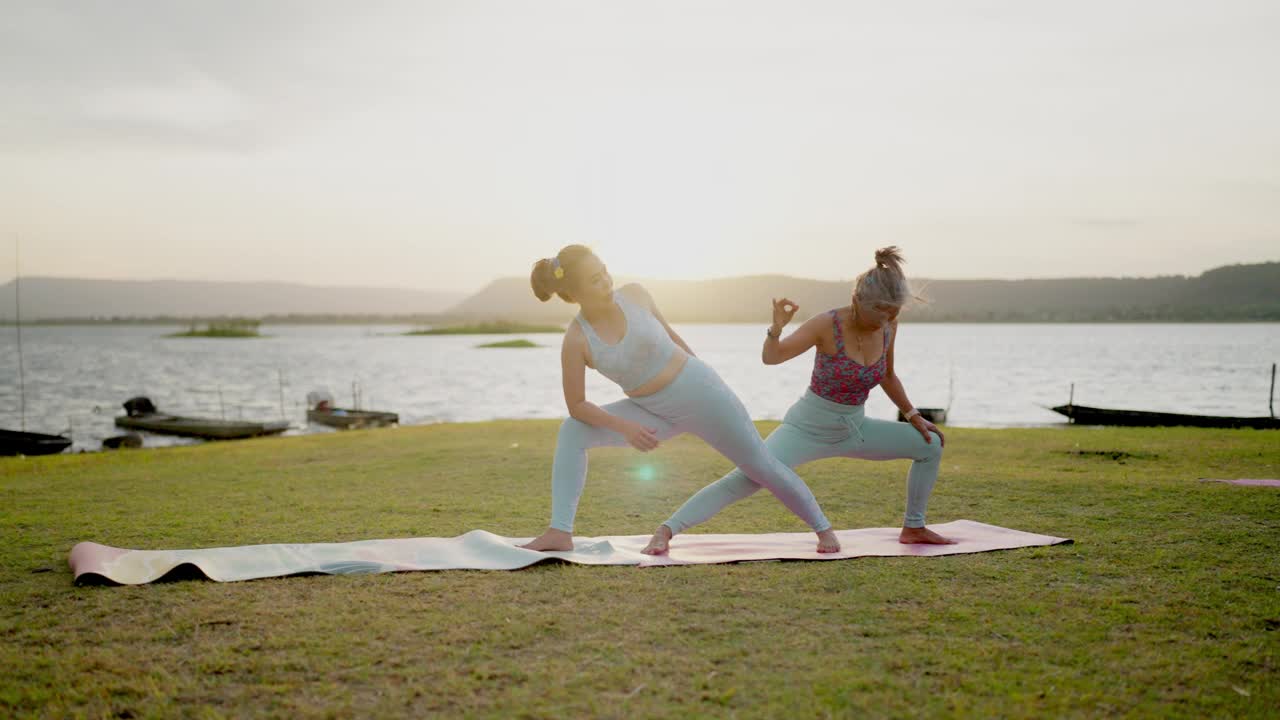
(481, 550)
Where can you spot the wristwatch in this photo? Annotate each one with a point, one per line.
(769, 331)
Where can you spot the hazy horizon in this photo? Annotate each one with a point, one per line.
(442, 145)
(464, 291)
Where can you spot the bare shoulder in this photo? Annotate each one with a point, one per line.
(822, 321)
(825, 316)
(636, 292)
(573, 337)
(820, 326)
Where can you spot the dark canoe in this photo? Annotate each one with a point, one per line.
(16, 442)
(350, 419)
(206, 428)
(1084, 415)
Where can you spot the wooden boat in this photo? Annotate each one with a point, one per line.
(21, 442)
(143, 416)
(16, 442)
(1084, 415)
(320, 410)
(937, 416)
(206, 428)
(344, 419)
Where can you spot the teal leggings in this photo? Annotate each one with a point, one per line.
(696, 402)
(816, 428)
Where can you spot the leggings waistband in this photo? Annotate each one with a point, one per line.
(831, 406)
(694, 371)
(851, 416)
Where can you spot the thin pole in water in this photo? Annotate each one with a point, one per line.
(951, 388)
(1271, 399)
(17, 322)
(282, 413)
(222, 407)
(1071, 400)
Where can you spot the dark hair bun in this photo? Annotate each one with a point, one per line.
(543, 279)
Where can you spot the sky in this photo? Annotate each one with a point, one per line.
(440, 145)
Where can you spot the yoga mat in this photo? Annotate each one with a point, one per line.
(481, 550)
(1261, 482)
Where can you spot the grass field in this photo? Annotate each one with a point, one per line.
(1167, 605)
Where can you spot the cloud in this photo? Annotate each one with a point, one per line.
(226, 76)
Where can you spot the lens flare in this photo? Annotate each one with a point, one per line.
(647, 472)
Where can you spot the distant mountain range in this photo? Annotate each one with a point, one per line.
(1235, 292)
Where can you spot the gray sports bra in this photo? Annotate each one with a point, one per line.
(640, 355)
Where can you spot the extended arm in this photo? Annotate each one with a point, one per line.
(892, 386)
(778, 349)
(573, 370)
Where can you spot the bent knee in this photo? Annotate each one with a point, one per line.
(930, 451)
(573, 430)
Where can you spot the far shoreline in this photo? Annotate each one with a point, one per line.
(497, 424)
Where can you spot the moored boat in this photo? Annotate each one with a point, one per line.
(1085, 415)
(345, 419)
(937, 416)
(17, 442)
(142, 415)
(320, 410)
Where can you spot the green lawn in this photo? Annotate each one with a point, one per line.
(1167, 605)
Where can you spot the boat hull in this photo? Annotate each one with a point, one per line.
(15, 442)
(205, 428)
(1084, 415)
(352, 419)
(937, 416)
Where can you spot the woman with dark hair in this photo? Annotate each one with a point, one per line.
(670, 391)
(855, 354)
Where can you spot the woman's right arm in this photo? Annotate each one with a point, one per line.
(778, 349)
(573, 370)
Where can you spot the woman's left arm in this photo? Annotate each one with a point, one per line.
(644, 296)
(892, 387)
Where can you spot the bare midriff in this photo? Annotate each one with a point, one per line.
(663, 378)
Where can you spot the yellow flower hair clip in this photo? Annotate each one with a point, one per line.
(559, 271)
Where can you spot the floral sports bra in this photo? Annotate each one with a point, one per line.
(839, 379)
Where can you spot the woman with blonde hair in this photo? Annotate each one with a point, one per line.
(854, 354)
(623, 336)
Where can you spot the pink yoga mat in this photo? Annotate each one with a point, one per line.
(481, 550)
(1261, 482)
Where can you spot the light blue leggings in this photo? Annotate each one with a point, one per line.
(817, 428)
(699, 402)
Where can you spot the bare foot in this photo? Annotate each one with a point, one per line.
(922, 536)
(660, 542)
(551, 540)
(827, 542)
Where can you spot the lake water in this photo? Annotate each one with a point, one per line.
(1004, 375)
